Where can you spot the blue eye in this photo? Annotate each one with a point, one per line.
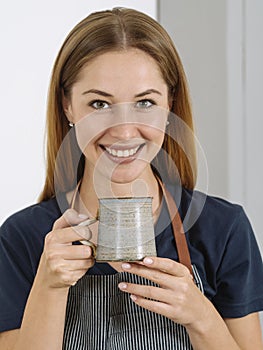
(99, 104)
(145, 104)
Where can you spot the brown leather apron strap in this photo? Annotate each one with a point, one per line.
(73, 199)
(178, 229)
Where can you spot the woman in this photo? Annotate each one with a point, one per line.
(53, 293)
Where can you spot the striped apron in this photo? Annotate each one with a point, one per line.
(101, 317)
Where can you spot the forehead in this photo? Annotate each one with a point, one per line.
(128, 67)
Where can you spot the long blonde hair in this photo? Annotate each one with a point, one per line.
(99, 33)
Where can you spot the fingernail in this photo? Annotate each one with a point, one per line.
(133, 297)
(148, 261)
(122, 286)
(126, 266)
(83, 216)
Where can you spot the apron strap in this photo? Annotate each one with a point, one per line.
(73, 199)
(178, 229)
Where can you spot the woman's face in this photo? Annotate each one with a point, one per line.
(119, 106)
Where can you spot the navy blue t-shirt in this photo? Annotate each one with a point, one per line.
(221, 242)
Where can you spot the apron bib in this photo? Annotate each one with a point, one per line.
(101, 317)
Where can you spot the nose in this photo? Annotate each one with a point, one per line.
(124, 131)
(123, 123)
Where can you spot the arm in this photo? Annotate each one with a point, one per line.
(61, 266)
(245, 332)
(43, 321)
(251, 338)
(179, 299)
(37, 331)
(8, 339)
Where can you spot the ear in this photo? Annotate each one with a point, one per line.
(67, 107)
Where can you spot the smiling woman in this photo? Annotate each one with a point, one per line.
(119, 124)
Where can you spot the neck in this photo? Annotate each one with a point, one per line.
(101, 187)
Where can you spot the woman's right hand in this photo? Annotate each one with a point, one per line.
(62, 264)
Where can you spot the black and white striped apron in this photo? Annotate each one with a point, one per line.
(101, 317)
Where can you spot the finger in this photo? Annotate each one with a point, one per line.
(168, 266)
(150, 292)
(151, 305)
(79, 265)
(165, 277)
(162, 279)
(73, 252)
(69, 218)
(151, 298)
(67, 235)
(83, 231)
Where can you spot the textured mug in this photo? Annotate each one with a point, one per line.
(126, 229)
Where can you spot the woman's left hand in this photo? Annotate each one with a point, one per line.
(177, 296)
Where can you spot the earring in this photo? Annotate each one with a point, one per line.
(71, 124)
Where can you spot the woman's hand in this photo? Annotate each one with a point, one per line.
(63, 264)
(177, 298)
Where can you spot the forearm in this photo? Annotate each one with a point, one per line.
(212, 334)
(43, 322)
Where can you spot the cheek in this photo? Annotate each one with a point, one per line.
(154, 143)
(91, 128)
(154, 135)
(80, 113)
(79, 108)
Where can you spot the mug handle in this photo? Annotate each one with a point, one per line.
(89, 222)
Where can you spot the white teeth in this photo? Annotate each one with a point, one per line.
(122, 153)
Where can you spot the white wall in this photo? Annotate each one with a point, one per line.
(31, 33)
(253, 119)
(198, 29)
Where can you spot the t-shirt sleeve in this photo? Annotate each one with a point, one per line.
(240, 273)
(16, 274)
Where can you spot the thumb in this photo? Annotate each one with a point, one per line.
(69, 218)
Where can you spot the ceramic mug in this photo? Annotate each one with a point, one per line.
(126, 229)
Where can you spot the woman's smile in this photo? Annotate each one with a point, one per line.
(122, 153)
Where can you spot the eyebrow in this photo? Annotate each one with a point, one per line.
(98, 92)
(148, 92)
(106, 94)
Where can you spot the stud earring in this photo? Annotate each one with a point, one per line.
(71, 124)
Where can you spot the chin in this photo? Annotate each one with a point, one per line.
(128, 175)
(123, 173)
(124, 178)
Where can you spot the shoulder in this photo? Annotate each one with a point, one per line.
(215, 224)
(36, 219)
(204, 211)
